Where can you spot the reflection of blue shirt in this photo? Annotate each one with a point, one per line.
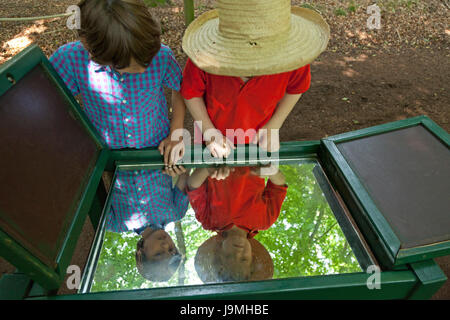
(144, 197)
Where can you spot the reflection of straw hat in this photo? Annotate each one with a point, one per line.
(255, 37)
(206, 260)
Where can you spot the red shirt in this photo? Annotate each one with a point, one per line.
(242, 199)
(232, 103)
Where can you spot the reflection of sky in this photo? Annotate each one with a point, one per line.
(316, 258)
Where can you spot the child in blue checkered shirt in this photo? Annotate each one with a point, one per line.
(119, 68)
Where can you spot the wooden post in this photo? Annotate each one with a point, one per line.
(188, 11)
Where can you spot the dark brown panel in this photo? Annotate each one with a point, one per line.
(46, 157)
(407, 174)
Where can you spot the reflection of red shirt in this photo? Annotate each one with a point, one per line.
(242, 199)
(232, 104)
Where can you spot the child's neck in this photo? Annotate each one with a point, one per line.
(134, 67)
(236, 231)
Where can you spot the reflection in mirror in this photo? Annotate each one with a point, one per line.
(242, 224)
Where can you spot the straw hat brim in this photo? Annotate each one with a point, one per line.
(210, 51)
(204, 261)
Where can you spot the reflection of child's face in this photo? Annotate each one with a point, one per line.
(159, 246)
(236, 256)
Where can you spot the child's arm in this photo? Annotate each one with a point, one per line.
(285, 107)
(268, 135)
(197, 108)
(218, 145)
(197, 178)
(272, 172)
(179, 111)
(182, 181)
(172, 148)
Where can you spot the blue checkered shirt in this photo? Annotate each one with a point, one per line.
(129, 111)
(145, 197)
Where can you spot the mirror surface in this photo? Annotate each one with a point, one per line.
(251, 227)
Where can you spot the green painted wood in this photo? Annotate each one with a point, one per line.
(18, 66)
(37, 291)
(383, 233)
(47, 277)
(423, 253)
(27, 263)
(430, 277)
(388, 239)
(288, 150)
(97, 205)
(94, 253)
(367, 132)
(438, 132)
(338, 181)
(73, 233)
(14, 286)
(394, 285)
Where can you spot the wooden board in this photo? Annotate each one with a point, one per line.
(407, 174)
(46, 159)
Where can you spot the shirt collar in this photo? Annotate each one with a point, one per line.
(100, 68)
(154, 226)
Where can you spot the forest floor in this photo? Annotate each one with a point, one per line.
(365, 77)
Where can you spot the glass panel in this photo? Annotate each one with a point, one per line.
(246, 226)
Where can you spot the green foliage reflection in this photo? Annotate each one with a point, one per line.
(306, 240)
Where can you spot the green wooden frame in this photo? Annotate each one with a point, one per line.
(407, 273)
(49, 277)
(395, 284)
(416, 281)
(370, 219)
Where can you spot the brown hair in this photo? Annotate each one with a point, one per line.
(151, 270)
(114, 31)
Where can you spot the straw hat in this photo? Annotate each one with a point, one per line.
(206, 261)
(255, 37)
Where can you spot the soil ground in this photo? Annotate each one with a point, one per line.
(366, 77)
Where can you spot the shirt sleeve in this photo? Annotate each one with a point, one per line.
(194, 81)
(172, 73)
(181, 202)
(114, 224)
(299, 80)
(200, 204)
(62, 61)
(274, 197)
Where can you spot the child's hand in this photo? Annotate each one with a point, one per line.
(220, 173)
(272, 172)
(268, 138)
(173, 151)
(174, 171)
(264, 171)
(220, 147)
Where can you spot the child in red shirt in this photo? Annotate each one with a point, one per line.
(249, 63)
(236, 203)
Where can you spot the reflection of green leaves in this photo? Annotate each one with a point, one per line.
(116, 268)
(313, 243)
(306, 240)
